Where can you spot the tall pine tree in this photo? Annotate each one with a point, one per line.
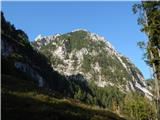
(149, 18)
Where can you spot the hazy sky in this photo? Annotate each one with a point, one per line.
(113, 20)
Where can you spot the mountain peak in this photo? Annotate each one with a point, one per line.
(38, 37)
(79, 29)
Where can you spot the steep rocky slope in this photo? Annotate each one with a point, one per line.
(92, 56)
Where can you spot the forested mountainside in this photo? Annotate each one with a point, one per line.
(87, 54)
(74, 76)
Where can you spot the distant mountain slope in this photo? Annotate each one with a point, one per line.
(91, 55)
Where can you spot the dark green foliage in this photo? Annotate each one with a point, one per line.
(75, 60)
(79, 36)
(87, 63)
(107, 97)
(138, 107)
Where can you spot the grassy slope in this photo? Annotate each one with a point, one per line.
(22, 100)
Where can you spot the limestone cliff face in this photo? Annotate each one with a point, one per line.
(91, 55)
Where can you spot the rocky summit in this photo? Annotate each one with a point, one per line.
(89, 57)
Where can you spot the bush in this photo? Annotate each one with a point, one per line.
(138, 107)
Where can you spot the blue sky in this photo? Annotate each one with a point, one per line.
(113, 20)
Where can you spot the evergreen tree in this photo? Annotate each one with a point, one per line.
(150, 21)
